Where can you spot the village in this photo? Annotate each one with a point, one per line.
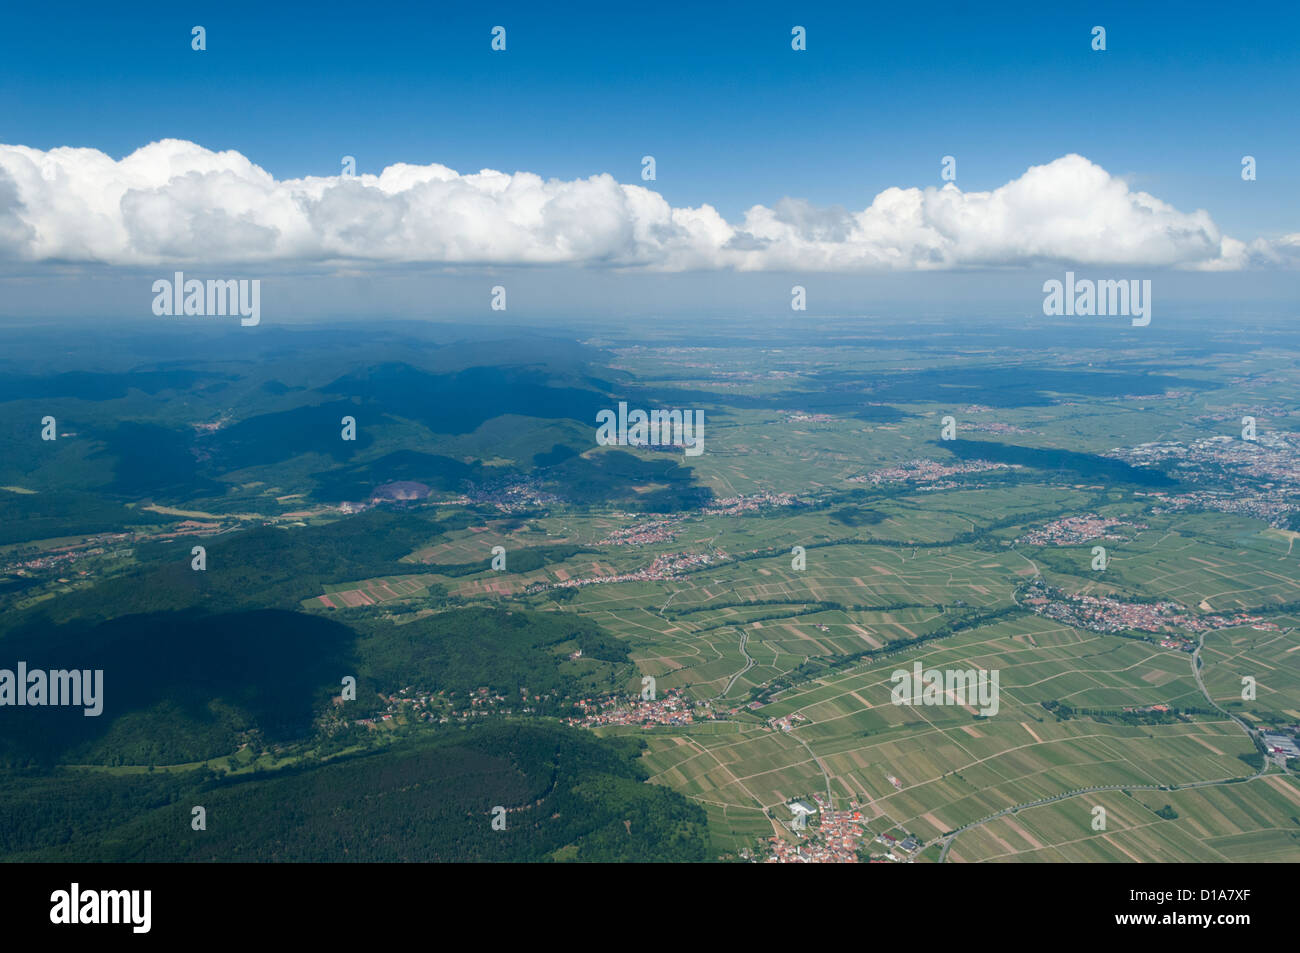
(110, 545)
(1103, 614)
(652, 531)
(672, 708)
(1269, 459)
(824, 835)
(928, 471)
(444, 707)
(669, 566)
(750, 503)
(666, 529)
(1273, 506)
(1074, 530)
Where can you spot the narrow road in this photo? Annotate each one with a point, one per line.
(749, 663)
(818, 761)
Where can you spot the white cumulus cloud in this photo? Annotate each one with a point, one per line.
(176, 203)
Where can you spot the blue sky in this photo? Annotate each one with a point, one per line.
(732, 115)
(735, 119)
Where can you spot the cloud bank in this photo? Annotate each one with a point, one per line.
(175, 203)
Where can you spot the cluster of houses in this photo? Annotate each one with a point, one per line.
(654, 531)
(443, 707)
(671, 709)
(835, 839)
(1103, 614)
(1273, 506)
(827, 836)
(992, 426)
(749, 503)
(1073, 530)
(786, 722)
(1269, 458)
(669, 566)
(927, 471)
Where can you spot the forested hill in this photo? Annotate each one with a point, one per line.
(567, 795)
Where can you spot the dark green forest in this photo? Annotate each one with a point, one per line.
(568, 795)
